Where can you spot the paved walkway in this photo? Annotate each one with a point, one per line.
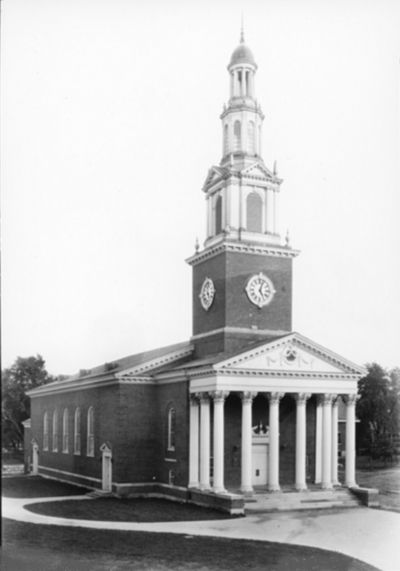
(367, 534)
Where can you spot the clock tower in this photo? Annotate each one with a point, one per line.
(242, 279)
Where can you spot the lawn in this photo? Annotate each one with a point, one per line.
(139, 510)
(51, 548)
(38, 487)
(388, 483)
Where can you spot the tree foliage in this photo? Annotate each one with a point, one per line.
(25, 374)
(378, 408)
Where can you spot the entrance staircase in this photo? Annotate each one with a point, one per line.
(96, 494)
(264, 502)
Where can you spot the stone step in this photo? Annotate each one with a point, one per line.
(99, 494)
(278, 501)
(299, 507)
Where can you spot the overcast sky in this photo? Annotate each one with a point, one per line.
(110, 122)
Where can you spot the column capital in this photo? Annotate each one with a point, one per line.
(247, 397)
(218, 396)
(204, 398)
(274, 398)
(301, 398)
(350, 400)
(193, 399)
(327, 398)
(335, 401)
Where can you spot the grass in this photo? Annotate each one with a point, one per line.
(38, 487)
(51, 548)
(135, 510)
(388, 483)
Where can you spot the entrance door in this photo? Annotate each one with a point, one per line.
(35, 458)
(107, 474)
(259, 464)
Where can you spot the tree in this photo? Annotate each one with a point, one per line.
(378, 407)
(25, 374)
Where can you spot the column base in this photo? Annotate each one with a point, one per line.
(193, 485)
(351, 485)
(336, 483)
(220, 490)
(327, 486)
(300, 487)
(274, 488)
(246, 489)
(204, 487)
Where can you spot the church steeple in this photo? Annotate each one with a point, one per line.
(242, 193)
(242, 279)
(242, 118)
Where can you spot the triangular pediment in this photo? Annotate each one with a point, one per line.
(291, 353)
(105, 447)
(259, 171)
(215, 174)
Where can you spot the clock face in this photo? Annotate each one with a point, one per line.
(260, 290)
(207, 293)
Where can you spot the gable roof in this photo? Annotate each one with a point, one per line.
(143, 364)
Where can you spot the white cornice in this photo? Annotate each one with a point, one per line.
(157, 362)
(245, 330)
(260, 250)
(296, 339)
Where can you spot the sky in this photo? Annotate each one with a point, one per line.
(110, 122)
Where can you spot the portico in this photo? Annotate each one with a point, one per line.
(314, 383)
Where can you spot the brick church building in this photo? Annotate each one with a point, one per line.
(245, 402)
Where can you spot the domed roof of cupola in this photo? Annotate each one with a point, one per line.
(242, 54)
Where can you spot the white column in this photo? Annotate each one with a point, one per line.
(273, 461)
(327, 440)
(334, 461)
(318, 441)
(194, 443)
(247, 400)
(236, 82)
(269, 219)
(204, 440)
(301, 402)
(219, 400)
(350, 401)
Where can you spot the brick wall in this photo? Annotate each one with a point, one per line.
(230, 273)
(174, 395)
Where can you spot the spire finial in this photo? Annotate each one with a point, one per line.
(242, 31)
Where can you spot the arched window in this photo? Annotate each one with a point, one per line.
(55, 431)
(250, 137)
(218, 215)
(226, 140)
(254, 212)
(236, 136)
(171, 428)
(65, 430)
(77, 431)
(45, 431)
(90, 432)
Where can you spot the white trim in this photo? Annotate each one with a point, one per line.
(158, 362)
(295, 339)
(170, 459)
(242, 330)
(69, 474)
(260, 250)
